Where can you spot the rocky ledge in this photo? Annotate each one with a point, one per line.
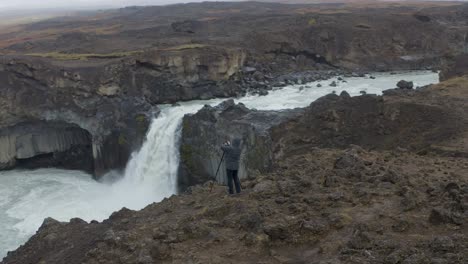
(204, 132)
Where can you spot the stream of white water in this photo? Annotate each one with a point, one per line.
(27, 197)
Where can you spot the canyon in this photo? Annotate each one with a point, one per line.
(333, 170)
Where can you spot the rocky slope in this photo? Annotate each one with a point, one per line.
(400, 197)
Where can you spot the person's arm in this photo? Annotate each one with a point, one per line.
(226, 146)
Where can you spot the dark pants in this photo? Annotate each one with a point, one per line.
(232, 175)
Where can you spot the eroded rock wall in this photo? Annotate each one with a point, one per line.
(35, 92)
(204, 132)
(113, 99)
(46, 144)
(456, 67)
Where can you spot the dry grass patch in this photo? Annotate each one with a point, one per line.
(185, 47)
(72, 56)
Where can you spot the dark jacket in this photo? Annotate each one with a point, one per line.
(232, 154)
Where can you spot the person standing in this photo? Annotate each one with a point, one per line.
(232, 154)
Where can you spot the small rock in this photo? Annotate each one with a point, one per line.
(263, 93)
(276, 231)
(360, 240)
(49, 222)
(333, 84)
(258, 76)
(440, 216)
(345, 94)
(405, 85)
(160, 251)
(316, 227)
(442, 244)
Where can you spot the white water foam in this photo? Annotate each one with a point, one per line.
(27, 197)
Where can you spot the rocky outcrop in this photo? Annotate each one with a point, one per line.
(52, 111)
(204, 132)
(405, 84)
(431, 119)
(456, 67)
(186, 73)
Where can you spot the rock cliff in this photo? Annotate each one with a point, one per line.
(48, 110)
(204, 132)
(112, 100)
(456, 67)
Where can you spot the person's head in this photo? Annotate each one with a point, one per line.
(236, 142)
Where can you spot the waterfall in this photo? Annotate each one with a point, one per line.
(156, 164)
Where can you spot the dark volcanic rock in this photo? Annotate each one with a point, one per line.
(204, 132)
(188, 26)
(405, 85)
(457, 67)
(111, 101)
(46, 144)
(384, 122)
(67, 118)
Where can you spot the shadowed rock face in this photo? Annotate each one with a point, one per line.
(456, 68)
(37, 97)
(204, 132)
(46, 144)
(110, 100)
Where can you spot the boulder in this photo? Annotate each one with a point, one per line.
(405, 85)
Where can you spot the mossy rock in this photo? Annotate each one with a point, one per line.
(122, 140)
(186, 156)
(142, 123)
